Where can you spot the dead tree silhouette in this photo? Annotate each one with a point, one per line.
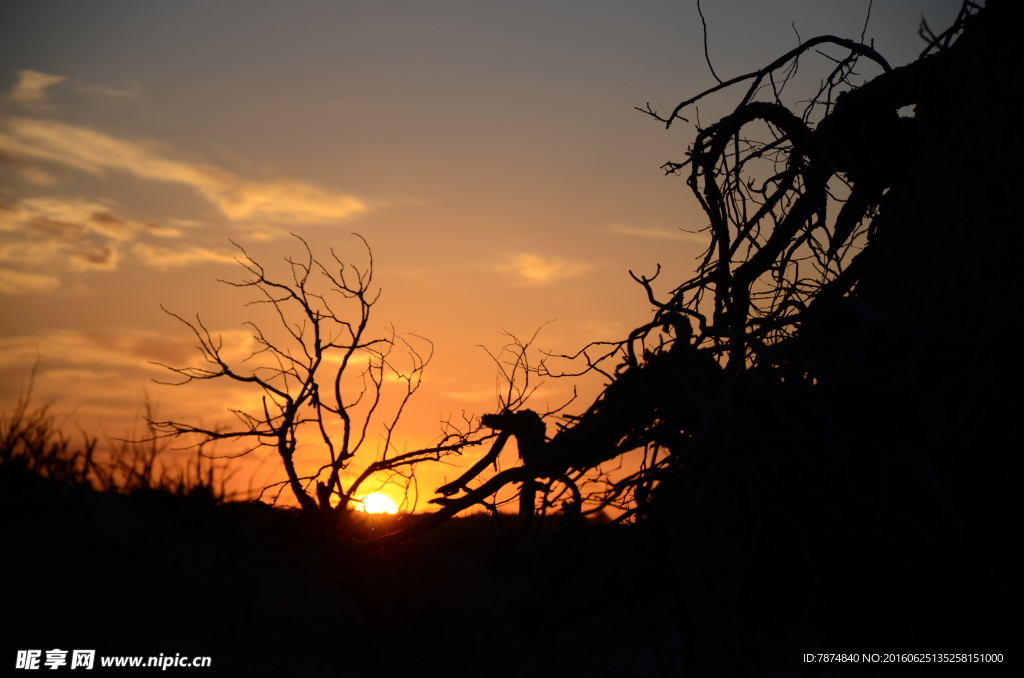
(837, 443)
(317, 371)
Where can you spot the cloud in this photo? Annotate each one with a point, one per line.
(186, 223)
(116, 349)
(471, 396)
(536, 270)
(16, 282)
(164, 258)
(30, 252)
(38, 229)
(88, 233)
(36, 176)
(336, 357)
(30, 89)
(74, 216)
(104, 90)
(98, 258)
(658, 233)
(603, 329)
(102, 376)
(283, 199)
(263, 233)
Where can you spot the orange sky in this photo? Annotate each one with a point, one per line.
(488, 152)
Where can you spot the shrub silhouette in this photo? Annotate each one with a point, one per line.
(34, 445)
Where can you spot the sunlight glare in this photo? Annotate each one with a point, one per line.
(377, 503)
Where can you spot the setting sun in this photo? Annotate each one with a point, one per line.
(377, 503)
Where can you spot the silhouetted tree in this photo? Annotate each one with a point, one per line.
(830, 409)
(320, 374)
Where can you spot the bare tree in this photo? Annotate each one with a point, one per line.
(321, 375)
(830, 408)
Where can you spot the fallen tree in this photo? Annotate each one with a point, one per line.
(830, 407)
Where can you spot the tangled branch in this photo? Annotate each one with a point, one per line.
(321, 372)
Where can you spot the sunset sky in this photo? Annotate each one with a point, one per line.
(489, 152)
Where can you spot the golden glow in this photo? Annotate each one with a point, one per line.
(237, 198)
(377, 503)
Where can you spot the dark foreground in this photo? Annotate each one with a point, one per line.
(241, 583)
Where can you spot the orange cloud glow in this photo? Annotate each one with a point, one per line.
(237, 198)
(74, 216)
(16, 282)
(40, 229)
(164, 258)
(537, 270)
(658, 233)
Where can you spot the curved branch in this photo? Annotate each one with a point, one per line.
(758, 76)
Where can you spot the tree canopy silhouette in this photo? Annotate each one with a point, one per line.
(319, 374)
(830, 408)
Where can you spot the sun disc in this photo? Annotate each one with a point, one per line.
(378, 503)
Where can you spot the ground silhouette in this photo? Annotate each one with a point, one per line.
(831, 408)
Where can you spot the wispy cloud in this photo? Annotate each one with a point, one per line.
(37, 230)
(537, 270)
(163, 257)
(33, 252)
(95, 258)
(30, 89)
(123, 348)
(89, 234)
(604, 329)
(75, 216)
(16, 282)
(36, 176)
(261, 232)
(281, 200)
(103, 374)
(113, 92)
(657, 233)
(478, 395)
